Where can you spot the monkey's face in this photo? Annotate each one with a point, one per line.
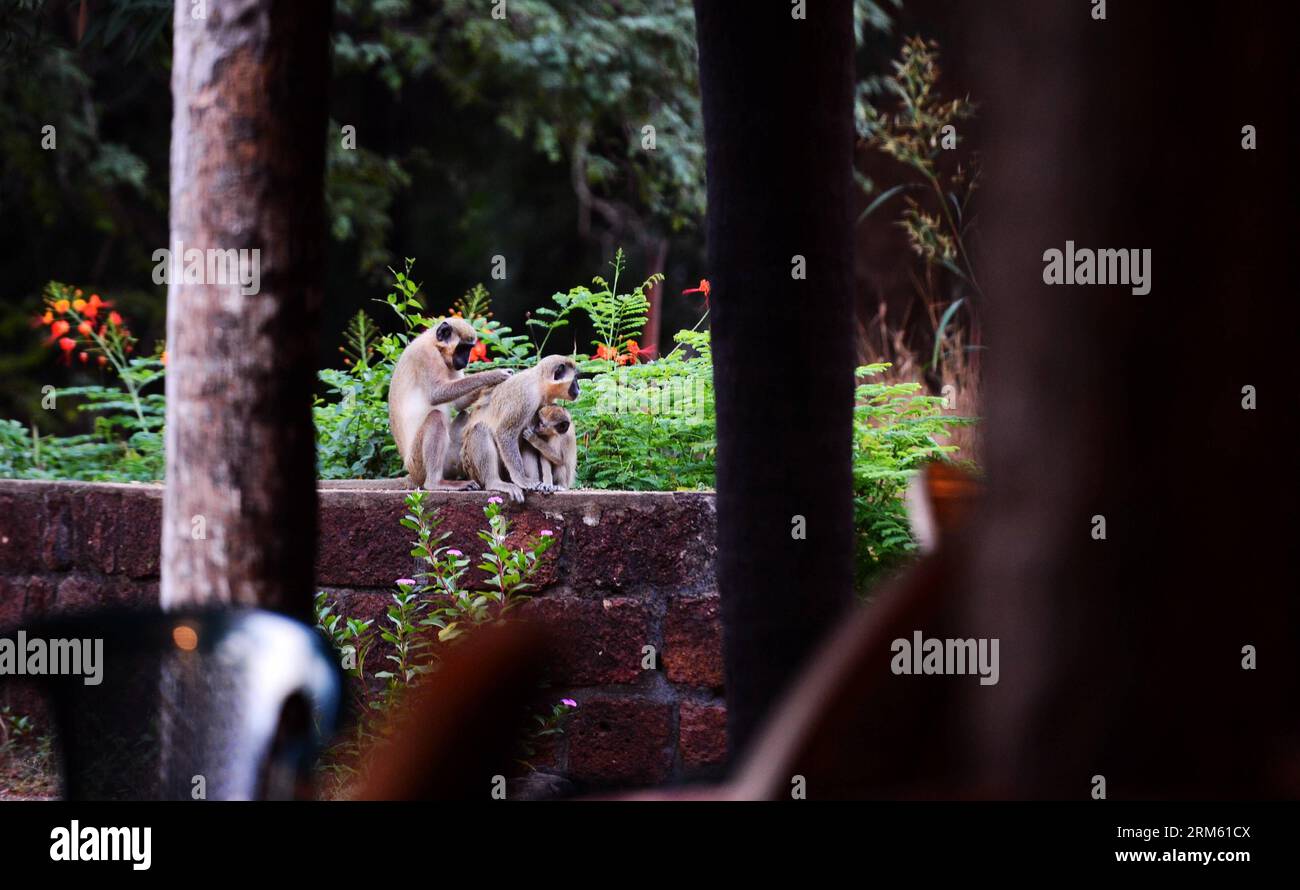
(456, 337)
(552, 420)
(560, 377)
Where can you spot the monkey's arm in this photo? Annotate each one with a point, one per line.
(571, 462)
(545, 447)
(470, 398)
(454, 390)
(507, 439)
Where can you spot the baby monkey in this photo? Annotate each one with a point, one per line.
(553, 438)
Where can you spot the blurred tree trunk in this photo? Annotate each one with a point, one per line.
(656, 251)
(778, 119)
(249, 85)
(1123, 657)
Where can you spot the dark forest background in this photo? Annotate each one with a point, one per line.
(474, 137)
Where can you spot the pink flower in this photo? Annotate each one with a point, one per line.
(546, 533)
(569, 702)
(494, 500)
(406, 582)
(454, 553)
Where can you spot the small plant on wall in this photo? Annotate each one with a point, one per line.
(434, 609)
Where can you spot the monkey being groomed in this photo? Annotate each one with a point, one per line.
(428, 379)
(554, 446)
(492, 448)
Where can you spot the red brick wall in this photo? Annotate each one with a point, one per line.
(629, 570)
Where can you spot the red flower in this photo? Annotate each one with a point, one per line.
(608, 353)
(635, 352)
(115, 319)
(479, 352)
(702, 289)
(59, 328)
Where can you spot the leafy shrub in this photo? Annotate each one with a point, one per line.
(431, 610)
(650, 427)
(352, 437)
(127, 443)
(895, 431)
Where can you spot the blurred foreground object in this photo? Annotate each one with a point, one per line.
(217, 705)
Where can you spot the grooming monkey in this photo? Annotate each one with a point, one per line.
(555, 443)
(491, 446)
(429, 378)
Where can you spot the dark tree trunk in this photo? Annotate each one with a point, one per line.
(1123, 657)
(778, 119)
(249, 87)
(656, 253)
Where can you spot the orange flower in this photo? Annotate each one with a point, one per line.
(78, 305)
(635, 352)
(164, 358)
(85, 328)
(115, 319)
(479, 352)
(59, 328)
(102, 360)
(608, 353)
(47, 317)
(702, 289)
(61, 306)
(77, 292)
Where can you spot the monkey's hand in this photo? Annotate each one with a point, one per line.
(543, 487)
(514, 492)
(494, 377)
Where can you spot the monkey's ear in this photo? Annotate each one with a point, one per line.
(444, 331)
(562, 427)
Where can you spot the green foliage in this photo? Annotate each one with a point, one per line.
(360, 186)
(936, 212)
(352, 437)
(126, 443)
(895, 431)
(579, 79)
(431, 610)
(27, 759)
(649, 427)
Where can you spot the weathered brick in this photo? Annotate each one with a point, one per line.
(13, 597)
(21, 519)
(362, 543)
(620, 742)
(693, 642)
(702, 734)
(358, 546)
(594, 641)
(622, 563)
(80, 592)
(40, 598)
(627, 540)
(138, 533)
(24, 598)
